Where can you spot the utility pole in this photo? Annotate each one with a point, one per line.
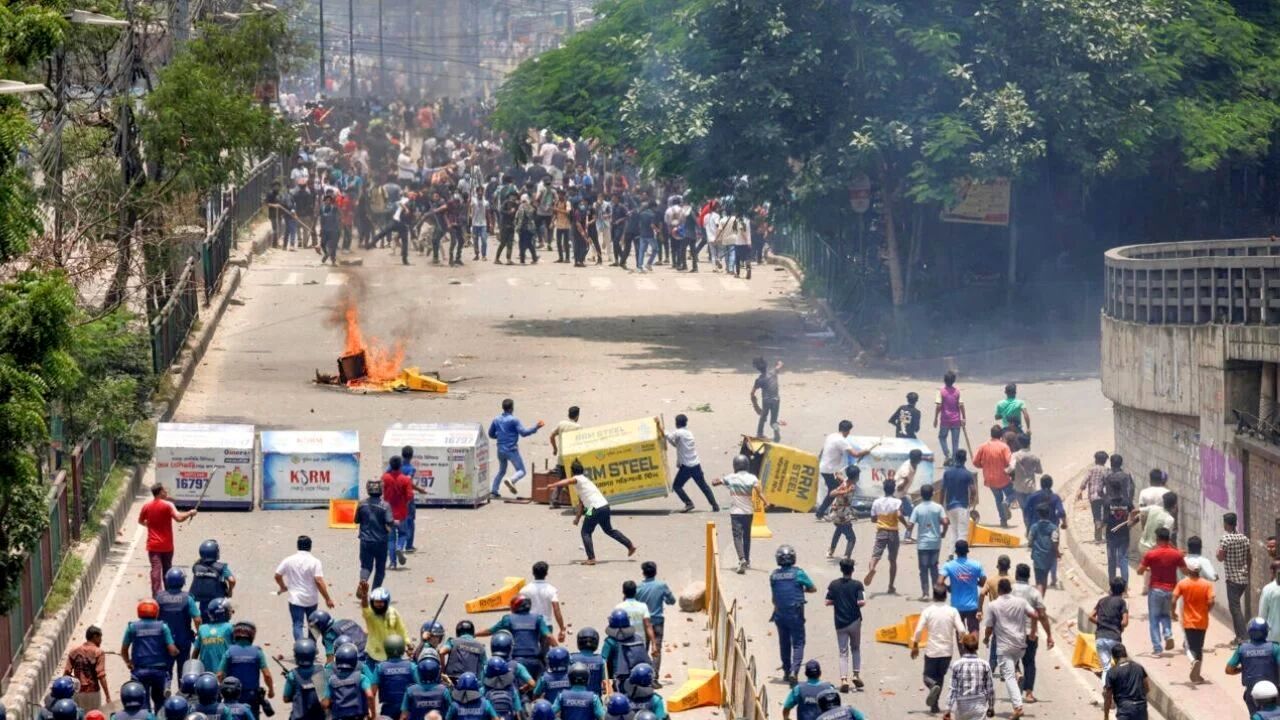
(59, 118)
(351, 46)
(382, 57)
(323, 86)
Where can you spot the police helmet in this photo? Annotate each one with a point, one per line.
(320, 620)
(380, 596)
(501, 643)
(373, 487)
(579, 674)
(645, 715)
(231, 688)
(207, 689)
(429, 670)
(176, 708)
(619, 619)
(394, 646)
(244, 630)
(63, 688)
(219, 610)
(467, 688)
(618, 705)
(209, 551)
(192, 716)
(148, 609)
(187, 684)
(741, 463)
(1258, 629)
(557, 659)
(588, 639)
(464, 627)
(1263, 691)
(521, 604)
(193, 667)
(496, 667)
(433, 628)
(641, 675)
(542, 710)
(346, 657)
(133, 696)
(813, 669)
(828, 699)
(174, 579)
(304, 652)
(785, 556)
(344, 639)
(65, 709)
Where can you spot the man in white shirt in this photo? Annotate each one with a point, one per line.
(838, 452)
(302, 576)
(544, 598)
(690, 468)
(711, 223)
(944, 627)
(593, 505)
(743, 489)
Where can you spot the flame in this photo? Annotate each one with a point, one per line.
(382, 364)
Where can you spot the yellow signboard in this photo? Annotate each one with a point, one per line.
(626, 460)
(788, 477)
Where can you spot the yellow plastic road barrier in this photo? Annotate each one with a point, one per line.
(758, 527)
(701, 689)
(415, 379)
(497, 600)
(900, 634)
(342, 514)
(983, 536)
(1085, 655)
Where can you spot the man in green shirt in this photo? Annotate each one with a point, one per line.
(1013, 411)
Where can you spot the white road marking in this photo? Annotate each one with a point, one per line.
(600, 283)
(689, 284)
(336, 278)
(643, 283)
(733, 284)
(106, 602)
(292, 278)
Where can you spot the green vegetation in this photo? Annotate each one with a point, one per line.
(63, 584)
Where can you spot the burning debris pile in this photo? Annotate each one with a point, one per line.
(369, 366)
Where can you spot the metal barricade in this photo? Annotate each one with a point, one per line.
(170, 326)
(744, 695)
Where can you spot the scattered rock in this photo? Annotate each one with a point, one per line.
(693, 597)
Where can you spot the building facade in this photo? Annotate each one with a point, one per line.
(1190, 361)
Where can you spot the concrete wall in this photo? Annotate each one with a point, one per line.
(1171, 443)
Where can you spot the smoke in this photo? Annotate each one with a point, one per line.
(383, 362)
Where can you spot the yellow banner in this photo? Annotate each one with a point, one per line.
(626, 460)
(789, 477)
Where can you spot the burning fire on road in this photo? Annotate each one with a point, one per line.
(368, 365)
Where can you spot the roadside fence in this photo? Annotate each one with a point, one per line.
(744, 695)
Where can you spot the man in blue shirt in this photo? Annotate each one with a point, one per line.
(508, 430)
(1057, 514)
(654, 593)
(959, 494)
(931, 521)
(965, 577)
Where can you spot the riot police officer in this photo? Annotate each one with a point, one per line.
(556, 679)
(579, 702)
(234, 707)
(468, 701)
(348, 695)
(500, 688)
(133, 698)
(148, 651)
(1255, 661)
(462, 653)
(623, 648)
(618, 707)
(208, 697)
(1264, 696)
(428, 694)
(805, 696)
(330, 630)
(829, 704)
(788, 585)
(66, 709)
(179, 611)
(247, 663)
(639, 691)
(176, 707)
(393, 677)
(430, 636)
(588, 643)
(530, 634)
(210, 578)
(301, 690)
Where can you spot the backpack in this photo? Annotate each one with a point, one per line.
(378, 200)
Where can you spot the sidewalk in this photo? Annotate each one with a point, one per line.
(1172, 692)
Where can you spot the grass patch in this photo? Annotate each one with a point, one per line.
(107, 496)
(70, 571)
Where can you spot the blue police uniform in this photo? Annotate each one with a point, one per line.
(422, 698)
(393, 678)
(595, 665)
(578, 703)
(347, 700)
(788, 585)
(177, 609)
(149, 642)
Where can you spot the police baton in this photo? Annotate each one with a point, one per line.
(280, 661)
(422, 641)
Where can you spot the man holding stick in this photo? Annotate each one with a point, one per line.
(157, 516)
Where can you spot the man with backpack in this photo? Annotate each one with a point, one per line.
(1117, 489)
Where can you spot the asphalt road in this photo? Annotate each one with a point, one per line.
(621, 346)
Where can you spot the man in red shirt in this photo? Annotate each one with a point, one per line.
(397, 491)
(158, 516)
(993, 458)
(1163, 561)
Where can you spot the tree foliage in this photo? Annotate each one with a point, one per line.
(202, 122)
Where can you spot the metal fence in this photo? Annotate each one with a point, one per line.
(170, 326)
(69, 503)
(744, 695)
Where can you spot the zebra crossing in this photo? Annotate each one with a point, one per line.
(618, 282)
